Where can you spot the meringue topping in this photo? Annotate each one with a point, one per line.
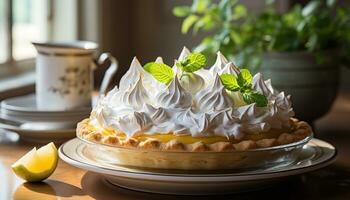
(193, 104)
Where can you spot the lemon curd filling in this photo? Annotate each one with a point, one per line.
(188, 139)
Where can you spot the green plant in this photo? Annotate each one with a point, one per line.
(315, 27)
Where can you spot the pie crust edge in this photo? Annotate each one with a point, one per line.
(299, 131)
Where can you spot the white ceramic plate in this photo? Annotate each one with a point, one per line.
(315, 154)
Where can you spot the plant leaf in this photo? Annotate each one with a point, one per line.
(310, 8)
(204, 23)
(269, 2)
(230, 82)
(200, 6)
(162, 72)
(188, 22)
(239, 11)
(331, 3)
(181, 11)
(192, 62)
(255, 97)
(244, 78)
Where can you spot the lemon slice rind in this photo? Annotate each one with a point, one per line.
(28, 167)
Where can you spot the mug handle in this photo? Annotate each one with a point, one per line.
(110, 72)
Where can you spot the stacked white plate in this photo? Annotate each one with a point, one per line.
(314, 155)
(21, 115)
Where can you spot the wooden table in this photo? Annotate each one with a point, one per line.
(67, 182)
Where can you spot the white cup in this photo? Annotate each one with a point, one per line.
(64, 74)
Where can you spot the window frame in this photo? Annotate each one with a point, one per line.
(13, 69)
(9, 24)
(53, 18)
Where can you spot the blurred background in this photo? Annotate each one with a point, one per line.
(303, 45)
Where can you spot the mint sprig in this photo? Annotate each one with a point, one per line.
(192, 63)
(162, 72)
(243, 83)
(230, 82)
(255, 97)
(244, 78)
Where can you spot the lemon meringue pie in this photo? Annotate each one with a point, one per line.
(190, 108)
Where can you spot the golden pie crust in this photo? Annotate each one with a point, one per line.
(298, 131)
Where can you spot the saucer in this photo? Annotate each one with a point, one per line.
(27, 105)
(21, 115)
(24, 109)
(40, 132)
(314, 155)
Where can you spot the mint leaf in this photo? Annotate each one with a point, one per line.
(255, 97)
(162, 72)
(244, 78)
(180, 66)
(148, 66)
(260, 99)
(192, 62)
(230, 82)
(247, 98)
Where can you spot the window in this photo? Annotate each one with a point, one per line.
(30, 23)
(24, 21)
(21, 22)
(3, 52)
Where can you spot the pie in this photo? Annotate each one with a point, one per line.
(188, 108)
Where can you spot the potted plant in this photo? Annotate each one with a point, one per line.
(301, 49)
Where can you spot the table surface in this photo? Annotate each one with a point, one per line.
(67, 182)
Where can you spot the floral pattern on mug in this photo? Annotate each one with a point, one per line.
(75, 80)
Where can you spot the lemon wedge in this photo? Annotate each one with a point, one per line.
(37, 165)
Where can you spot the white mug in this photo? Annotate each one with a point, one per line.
(64, 74)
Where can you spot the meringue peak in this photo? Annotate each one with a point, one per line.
(184, 53)
(230, 68)
(134, 96)
(221, 59)
(269, 86)
(214, 97)
(135, 70)
(159, 60)
(192, 82)
(217, 82)
(259, 85)
(174, 96)
(219, 64)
